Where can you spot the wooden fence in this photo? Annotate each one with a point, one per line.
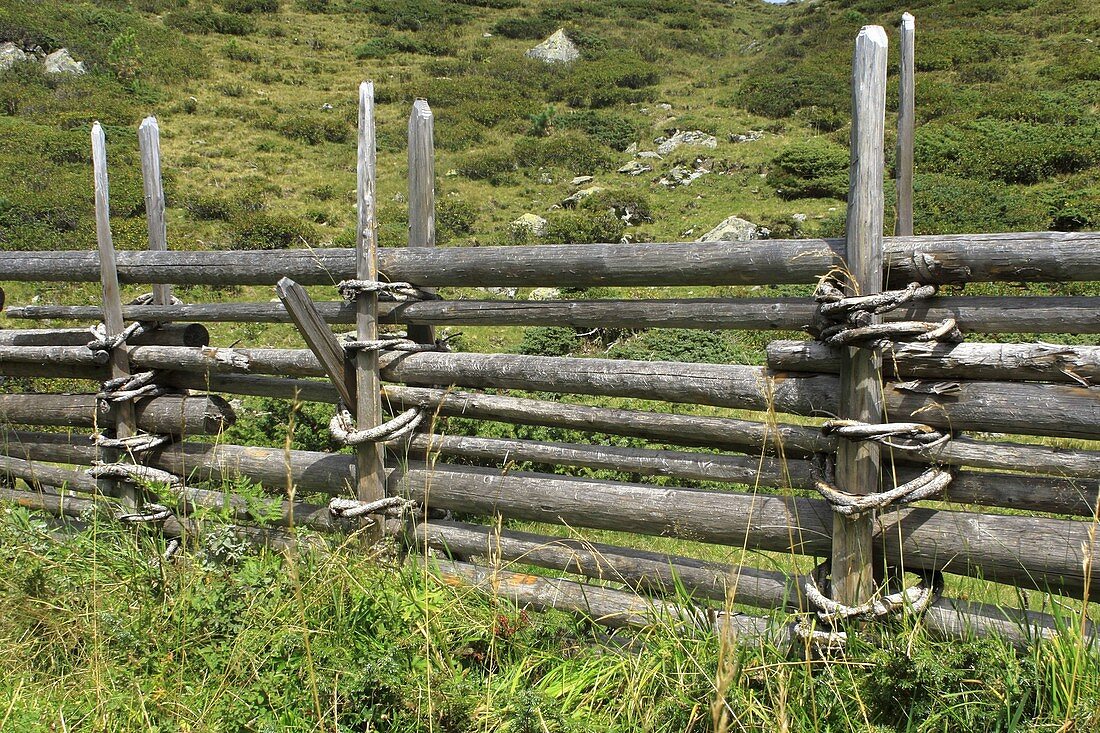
(889, 364)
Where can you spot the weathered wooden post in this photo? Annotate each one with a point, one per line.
(370, 468)
(149, 144)
(421, 193)
(125, 421)
(906, 112)
(857, 468)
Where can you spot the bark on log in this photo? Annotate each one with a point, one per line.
(168, 334)
(1017, 256)
(1031, 409)
(1072, 314)
(61, 356)
(171, 415)
(995, 547)
(1078, 365)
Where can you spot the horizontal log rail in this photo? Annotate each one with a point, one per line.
(1078, 365)
(1064, 314)
(170, 414)
(1009, 407)
(1029, 256)
(994, 547)
(168, 334)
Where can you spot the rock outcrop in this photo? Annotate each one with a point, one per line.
(557, 49)
(732, 229)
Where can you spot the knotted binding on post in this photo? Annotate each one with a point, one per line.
(132, 387)
(397, 341)
(929, 484)
(351, 289)
(102, 342)
(917, 436)
(342, 427)
(389, 506)
(914, 600)
(144, 475)
(846, 320)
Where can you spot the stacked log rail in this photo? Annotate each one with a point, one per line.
(959, 258)
(997, 548)
(974, 314)
(1058, 410)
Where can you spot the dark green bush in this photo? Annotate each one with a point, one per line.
(779, 89)
(210, 208)
(606, 80)
(629, 206)
(490, 165)
(260, 230)
(675, 344)
(235, 52)
(204, 21)
(816, 168)
(391, 43)
(495, 4)
(315, 6)
(1075, 210)
(453, 216)
(573, 151)
(548, 341)
(316, 128)
(250, 6)
(412, 15)
(616, 131)
(947, 205)
(527, 28)
(269, 420)
(583, 227)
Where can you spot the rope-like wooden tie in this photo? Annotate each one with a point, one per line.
(144, 475)
(390, 505)
(342, 427)
(929, 484)
(849, 317)
(351, 289)
(397, 341)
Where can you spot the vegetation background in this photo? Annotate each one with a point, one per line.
(256, 102)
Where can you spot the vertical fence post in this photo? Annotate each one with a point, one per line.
(149, 144)
(125, 421)
(906, 111)
(370, 475)
(857, 466)
(421, 192)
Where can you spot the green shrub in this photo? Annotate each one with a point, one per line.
(489, 165)
(260, 230)
(527, 28)
(676, 344)
(268, 421)
(202, 22)
(573, 151)
(606, 80)
(616, 131)
(453, 216)
(812, 169)
(412, 15)
(315, 128)
(780, 89)
(630, 205)
(947, 205)
(1075, 210)
(209, 208)
(583, 227)
(315, 6)
(235, 52)
(250, 6)
(391, 43)
(547, 341)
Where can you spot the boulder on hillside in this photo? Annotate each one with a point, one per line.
(533, 224)
(570, 201)
(687, 137)
(10, 55)
(62, 62)
(557, 49)
(732, 229)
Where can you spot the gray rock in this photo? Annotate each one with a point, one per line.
(571, 201)
(557, 49)
(61, 62)
(10, 55)
(544, 294)
(635, 168)
(732, 229)
(665, 106)
(687, 137)
(684, 176)
(500, 292)
(631, 149)
(748, 137)
(580, 180)
(533, 224)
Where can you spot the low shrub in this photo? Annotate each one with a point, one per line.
(209, 208)
(412, 15)
(490, 165)
(616, 131)
(389, 44)
(236, 52)
(250, 6)
(527, 28)
(631, 206)
(548, 341)
(947, 205)
(205, 21)
(573, 151)
(812, 169)
(315, 128)
(453, 216)
(260, 230)
(583, 227)
(676, 344)
(605, 80)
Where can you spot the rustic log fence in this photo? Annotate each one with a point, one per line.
(904, 385)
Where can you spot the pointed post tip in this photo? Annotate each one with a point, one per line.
(875, 34)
